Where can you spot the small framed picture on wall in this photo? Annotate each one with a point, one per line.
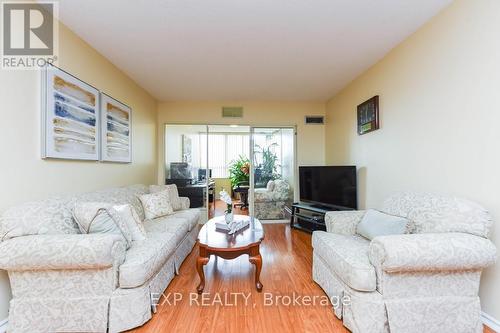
(368, 117)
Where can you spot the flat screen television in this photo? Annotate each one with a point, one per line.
(332, 186)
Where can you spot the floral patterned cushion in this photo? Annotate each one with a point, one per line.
(118, 196)
(281, 189)
(45, 217)
(145, 258)
(280, 192)
(347, 256)
(132, 220)
(156, 204)
(343, 222)
(431, 252)
(175, 200)
(192, 216)
(270, 185)
(437, 214)
(55, 214)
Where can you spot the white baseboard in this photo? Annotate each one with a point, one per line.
(274, 221)
(3, 325)
(491, 322)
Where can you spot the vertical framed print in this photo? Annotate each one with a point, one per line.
(116, 133)
(187, 148)
(368, 116)
(70, 116)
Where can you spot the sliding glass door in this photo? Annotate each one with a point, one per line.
(186, 162)
(228, 160)
(254, 165)
(273, 171)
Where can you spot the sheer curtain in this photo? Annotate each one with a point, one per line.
(223, 148)
(237, 145)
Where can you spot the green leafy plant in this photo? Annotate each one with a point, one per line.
(239, 171)
(268, 169)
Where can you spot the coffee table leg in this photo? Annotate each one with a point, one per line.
(200, 262)
(256, 259)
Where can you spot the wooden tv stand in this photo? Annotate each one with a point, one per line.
(310, 217)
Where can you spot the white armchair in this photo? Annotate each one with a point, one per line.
(271, 201)
(427, 281)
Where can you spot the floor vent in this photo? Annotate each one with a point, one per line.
(232, 112)
(316, 120)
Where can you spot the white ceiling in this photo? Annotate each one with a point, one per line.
(252, 50)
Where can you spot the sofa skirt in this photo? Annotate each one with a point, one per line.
(131, 308)
(371, 312)
(77, 314)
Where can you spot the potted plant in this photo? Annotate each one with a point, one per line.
(239, 171)
(268, 169)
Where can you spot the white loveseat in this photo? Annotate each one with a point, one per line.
(426, 281)
(64, 281)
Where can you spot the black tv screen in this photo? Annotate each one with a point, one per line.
(333, 186)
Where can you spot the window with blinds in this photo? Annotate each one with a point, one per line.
(223, 148)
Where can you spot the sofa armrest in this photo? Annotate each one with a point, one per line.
(185, 202)
(431, 252)
(72, 251)
(263, 196)
(343, 222)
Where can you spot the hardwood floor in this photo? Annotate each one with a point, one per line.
(287, 263)
(488, 330)
(218, 208)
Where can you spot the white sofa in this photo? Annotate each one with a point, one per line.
(64, 281)
(426, 281)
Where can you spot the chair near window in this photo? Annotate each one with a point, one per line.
(242, 189)
(270, 201)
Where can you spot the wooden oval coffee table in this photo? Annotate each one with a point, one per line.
(221, 244)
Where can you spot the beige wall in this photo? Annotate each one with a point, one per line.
(26, 176)
(222, 184)
(439, 99)
(310, 138)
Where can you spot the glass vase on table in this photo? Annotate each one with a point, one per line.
(228, 213)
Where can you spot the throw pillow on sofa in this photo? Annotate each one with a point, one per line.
(156, 204)
(100, 218)
(281, 190)
(132, 220)
(270, 185)
(175, 200)
(375, 223)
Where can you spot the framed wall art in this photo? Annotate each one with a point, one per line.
(116, 134)
(70, 116)
(368, 116)
(187, 148)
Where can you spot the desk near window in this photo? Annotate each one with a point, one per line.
(195, 192)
